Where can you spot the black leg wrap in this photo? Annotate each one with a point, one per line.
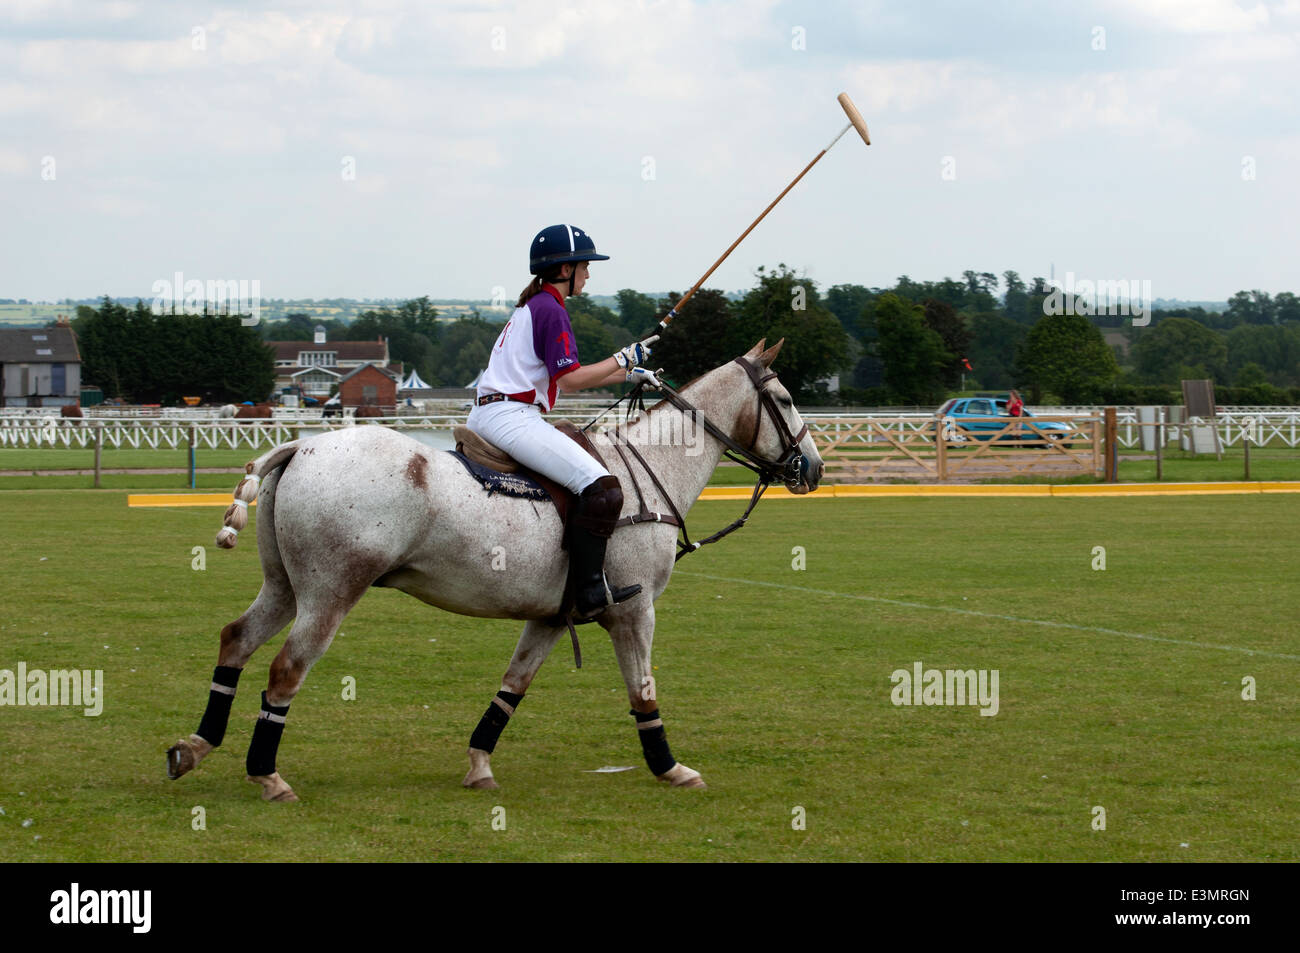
(493, 722)
(654, 743)
(266, 739)
(212, 728)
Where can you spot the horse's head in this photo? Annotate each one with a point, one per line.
(774, 430)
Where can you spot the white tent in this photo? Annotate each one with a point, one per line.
(413, 382)
(472, 385)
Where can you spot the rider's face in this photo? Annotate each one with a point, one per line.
(580, 278)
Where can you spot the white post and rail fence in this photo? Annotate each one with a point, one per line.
(856, 448)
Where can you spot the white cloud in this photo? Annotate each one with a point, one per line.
(1195, 16)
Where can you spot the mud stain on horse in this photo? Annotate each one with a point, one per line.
(747, 425)
(415, 472)
(232, 632)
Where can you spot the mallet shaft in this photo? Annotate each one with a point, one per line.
(696, 287)
(855, 120)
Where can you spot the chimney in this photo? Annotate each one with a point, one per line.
(320, 334)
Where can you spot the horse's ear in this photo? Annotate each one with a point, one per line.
(768, 356)
(757, 349)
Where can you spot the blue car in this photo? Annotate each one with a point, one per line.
(961, 410)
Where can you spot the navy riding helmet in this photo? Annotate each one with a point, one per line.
(560, 245)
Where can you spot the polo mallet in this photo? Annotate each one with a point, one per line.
(855, 121)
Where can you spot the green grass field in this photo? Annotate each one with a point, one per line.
(774, 683)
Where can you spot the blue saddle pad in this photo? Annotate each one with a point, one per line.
(507, 484)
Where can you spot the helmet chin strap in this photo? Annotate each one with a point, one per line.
(566, 281)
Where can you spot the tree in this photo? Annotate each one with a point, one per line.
(102, 337)
(980, 289)
(695, 341)
(411, 330)
(302, 327)
(913, 355)
(636, 312)
(595, 343)
(1178, 347)
(157, 358)
(786, 305)
(463, 351)
(1273, 349)
(847, 303)
(1286, 308)
(944, 320)
(1016, 300)
(1250, 307)
(1066, 355)
(1250, 375)
(992, 351)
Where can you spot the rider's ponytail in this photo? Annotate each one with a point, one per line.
(535, 286)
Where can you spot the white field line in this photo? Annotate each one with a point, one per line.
(994, 615)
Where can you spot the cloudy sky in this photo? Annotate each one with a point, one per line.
(393, 149)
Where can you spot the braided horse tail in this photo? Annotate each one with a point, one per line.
(236, 517)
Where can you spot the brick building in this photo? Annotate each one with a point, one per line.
(369, 386)
(317, 365)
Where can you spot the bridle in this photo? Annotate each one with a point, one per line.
(787, 468)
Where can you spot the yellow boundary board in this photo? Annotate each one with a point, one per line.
(855, 490)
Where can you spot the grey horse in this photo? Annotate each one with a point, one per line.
(366, 506)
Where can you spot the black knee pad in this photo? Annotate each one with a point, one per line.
(599, 505)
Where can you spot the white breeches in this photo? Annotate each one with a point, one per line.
(520, 431)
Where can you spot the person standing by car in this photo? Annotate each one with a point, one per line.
(1015, 404)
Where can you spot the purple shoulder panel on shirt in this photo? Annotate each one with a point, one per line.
(553, 339)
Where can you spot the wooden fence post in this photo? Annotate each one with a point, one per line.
(940, 450)
(99, 446)
(1112, 445)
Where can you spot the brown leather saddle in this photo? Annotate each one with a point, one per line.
(485, 454)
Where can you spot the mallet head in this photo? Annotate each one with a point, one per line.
(855, 117)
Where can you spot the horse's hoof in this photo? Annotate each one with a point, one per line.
(185, 755)
(480, 771)
(274, 787)
(680, 776)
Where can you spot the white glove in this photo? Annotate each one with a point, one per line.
(635, 354)
(638, 374)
